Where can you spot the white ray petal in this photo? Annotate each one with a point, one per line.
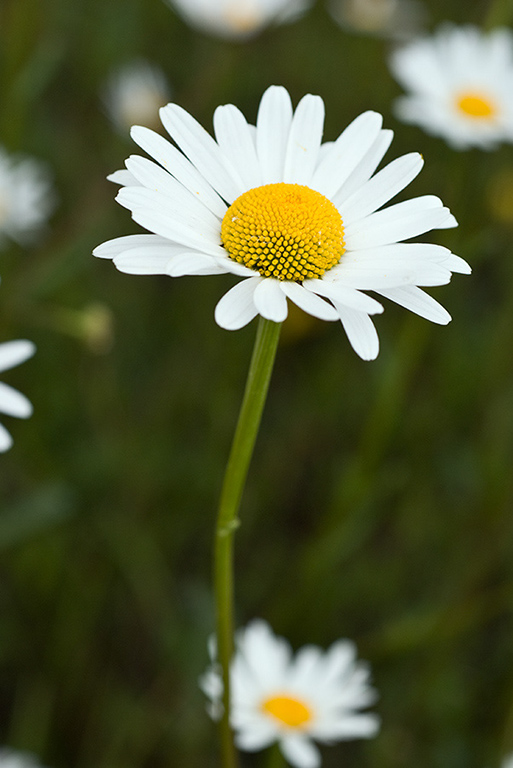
(346, 152)
(117, 245)
(413, 298)
(273, 126)
(14, 403)
(270, 300)
(304, 140)
(179, 166)
(5, 439)
(124, 178)
(15, 352)
(382, 187)
(235, 139)
(300, 751)
(203, 152)
(365, 168)
(193, 263)
(308, 301)
(360, 331)
(337, 291)
(237, 308)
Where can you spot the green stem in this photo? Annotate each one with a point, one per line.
(255, 394)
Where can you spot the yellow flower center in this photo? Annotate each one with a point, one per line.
(289, 711)
(286, 231)
(476, 105)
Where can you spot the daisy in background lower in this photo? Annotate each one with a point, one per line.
(238, 19)
(295, 219)
(12, 402)
(133, 94)
(26, 197)
(293, 700)
(460, 85)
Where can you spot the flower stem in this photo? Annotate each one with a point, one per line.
(255, 394)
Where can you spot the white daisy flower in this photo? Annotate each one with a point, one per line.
(238, 19)
(276, 697)
(508, 762)
(134, 93)
(26, 197)
(296, 219)
(461, 85)
(12, 402)
(11, 758)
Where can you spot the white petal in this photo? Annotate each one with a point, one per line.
(124, 178)
(346, 152)
(192, 263)
(270, 300)
(337, 291)
(257, 737)
(382, 187)
(15, 352)
(304, 140)
(112, 248)
(14, 403)
(179, 209)
(237, 308)
(202, 151)
(179, 166)
(308, 301)
(273, 126)
(354, 726)
(147, 259)
(5, 439)
(360, 332)
(365, 168)
(399, 222)
(300, 752)
(235, 139)
(414, 299)
(155, 178)
(166, 226)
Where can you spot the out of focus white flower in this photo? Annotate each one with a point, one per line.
(26, 197)
(134, 93)
(394, 19)
(10, 758)
(13, 403)
(508, 762)
(238, 19)
(276, 697)
(460, 84)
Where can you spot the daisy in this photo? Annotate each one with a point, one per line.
(26, 197)
(134, 93)
(295, 219)
(12, 402)
(238, 19)
(10, 758)
(394, 19)
(276, 697)
(461, 85)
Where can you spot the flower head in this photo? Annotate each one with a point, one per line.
(295, 219)
(238, 19)
(26, 197)
(394, 19)
(293, 700)
(134, 93)
(461, 85)
(12, 402)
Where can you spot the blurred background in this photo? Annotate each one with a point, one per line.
(380, 499)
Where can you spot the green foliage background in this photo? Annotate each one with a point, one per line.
(380, 499)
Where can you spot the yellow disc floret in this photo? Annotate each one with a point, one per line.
(286, 231)
(289, 711)
(477, 106)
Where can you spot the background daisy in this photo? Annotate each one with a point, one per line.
(460, 84)
(294, 700)
(238, 19)
(12, 402)
(133, 94)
